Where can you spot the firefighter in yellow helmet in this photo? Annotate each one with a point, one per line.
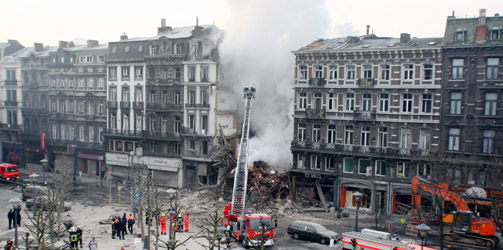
(74, 239)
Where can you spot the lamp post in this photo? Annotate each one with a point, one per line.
(423, 232)
(44, 165)
(357, 196)
(171, 194)
(220, 229)
(15, 204)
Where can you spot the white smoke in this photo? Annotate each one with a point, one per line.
(257, 50)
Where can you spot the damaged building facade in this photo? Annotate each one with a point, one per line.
(163, 98)
(367, 117)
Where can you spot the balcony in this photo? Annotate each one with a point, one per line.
(160, 135)
(360, 115)
(138, 105)
(366, 82)
(203, 105)
(125, 105)
(11, 103)
(315, 114)
(61, 116)
(317, 82)
(123, 132)
(10, 82)
(191, 105)
(111, 105)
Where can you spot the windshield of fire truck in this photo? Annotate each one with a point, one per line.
(256, 224)
(11, 169)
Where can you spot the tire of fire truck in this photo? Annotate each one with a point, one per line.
(323, 241)
(244, 242)
(296, 236)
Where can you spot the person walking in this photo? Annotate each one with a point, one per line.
(179, 226)
(10, 216)
(74, 239)
(124, 222)
(79, 232)
(130, 223)
(186, 219)
(93, 245)
(163, 221)
(18, 214)
(120, 229)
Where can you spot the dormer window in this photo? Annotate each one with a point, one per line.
(460, 35)
(152, 49)
(495, 33)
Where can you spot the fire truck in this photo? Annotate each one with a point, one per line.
(360, 241)
(249, 228)
(9, 171)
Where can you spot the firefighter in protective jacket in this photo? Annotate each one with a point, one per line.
(74, 239)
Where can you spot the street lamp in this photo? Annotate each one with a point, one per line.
(15, 204)
(357, 196)
(423, 232)
(171, 195)
(220, 229)
(44, 165)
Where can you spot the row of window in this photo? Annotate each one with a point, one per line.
(380, 136)
(89, 83)
(349, 100)
(362, 166)
(91, 59)
(488, 139)
(78, 133)
(68, 106)
(490, 103)
(493, 34)
(387, 72)
(384, 73)
(125, 73)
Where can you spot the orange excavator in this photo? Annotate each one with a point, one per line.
(467, 229)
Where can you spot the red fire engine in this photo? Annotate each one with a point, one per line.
(9, 171)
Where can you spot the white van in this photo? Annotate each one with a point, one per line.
(376, 234)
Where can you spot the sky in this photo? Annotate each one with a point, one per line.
(259, 38)
(49, 21)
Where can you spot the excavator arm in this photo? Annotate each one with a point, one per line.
(419, 183)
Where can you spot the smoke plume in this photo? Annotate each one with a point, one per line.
(257, 50)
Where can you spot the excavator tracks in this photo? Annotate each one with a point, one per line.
(471, 240)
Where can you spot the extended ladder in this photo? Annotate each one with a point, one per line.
(241, 172)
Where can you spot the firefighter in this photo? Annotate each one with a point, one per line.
(124, 222)
(173, 223)
(163, 221)
(186, 219)
(179, 226)
(228, 235)
(114, 231)
(74, 239)
(130, 223)
(79, 232)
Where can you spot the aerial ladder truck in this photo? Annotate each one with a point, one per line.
(248, 228)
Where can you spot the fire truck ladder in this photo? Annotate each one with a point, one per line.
(241, 172)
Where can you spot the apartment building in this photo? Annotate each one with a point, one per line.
(472, 111)
(35, 108)
(11, 148)
(167, 88)
(367, 118)
(76, 97)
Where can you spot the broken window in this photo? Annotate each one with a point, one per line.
(348, 135)
(331, 134)
(301, 161)
(348, 165)
(301, 134)
(363, 164)
(315, 162)
(329, 163)
(365, 136)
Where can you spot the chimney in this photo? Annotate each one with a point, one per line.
(92, 43)
(124, 36)
(482, 17)
(63, 44)
(453, 16)
(481, 29)
(368, 28)
(71, 44)
(404, 37)
(352, 40)
(163, 27)
(38, 47)
(197, 31)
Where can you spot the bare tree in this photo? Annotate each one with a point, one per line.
(209, 230)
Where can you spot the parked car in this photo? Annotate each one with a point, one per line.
(311, 231)
(38, 202)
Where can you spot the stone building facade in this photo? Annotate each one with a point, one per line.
(367, 117)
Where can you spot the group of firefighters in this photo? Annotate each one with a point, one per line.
(179, 223)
